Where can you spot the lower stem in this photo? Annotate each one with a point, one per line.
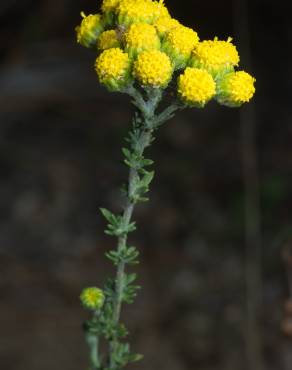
(145, 139)
(93, 343)
(149, 123)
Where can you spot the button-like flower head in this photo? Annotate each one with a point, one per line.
(113, 69)
(141, 37)
(107, 40)
(139, 11)
(153, 68)
(160, 10)
(165, 24)
(235, 88)
(196, 87)
(109, 8)
(89, 29)
(215, 56)
(109, 5)
(179, 43)
(92, 298)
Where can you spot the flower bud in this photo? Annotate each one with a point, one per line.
(92, 298)
(141, 37)
(164, 24)
(107, 40)
(89, 29)
(178, 44)
(109, 5)
(160, 10)
(108, 8)
(139, 11)
(235, 88)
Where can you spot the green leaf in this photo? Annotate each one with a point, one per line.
(130, 290)
(140, 186)
(143, 199)
(109, 290)
(130, 293)
(113, 256)
(135, 357)
(126, 152)
(131, 256)
(131, 227)
(122, 331)
(148, 177)
(127, 255)
(147, 162)
(109, 216)
(130, 278)
(117, 225)
(121, 354)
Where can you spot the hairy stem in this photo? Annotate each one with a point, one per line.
(122, 240)
(145, 132)
(93, 343)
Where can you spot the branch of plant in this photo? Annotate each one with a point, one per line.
(147, 109)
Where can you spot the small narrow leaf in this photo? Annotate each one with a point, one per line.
(109, 216)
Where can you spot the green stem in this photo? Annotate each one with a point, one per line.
(92, 340)
(147, 110)
(93, 343)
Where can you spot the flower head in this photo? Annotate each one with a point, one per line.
(153, 68)
(92, 298)
(215, 56)
(235, 88)
(89, 29)
(138, 11)
(107, 40)
(141, 37)
(159, 9)
(108, 8)
(113, 69)
(165, 24)
(109, 5)
(179, 43)
(196, 87)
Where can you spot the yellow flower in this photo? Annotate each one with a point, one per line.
(235, 88)
(113, 69)
(141, 37)
(109, 5)
(92, 298)
(160, 10)
(107, 40)
(89, 29)
(196, 87)
(165, 24)
(153, 68)
(138, 11)
(215, 56)
(179, 43)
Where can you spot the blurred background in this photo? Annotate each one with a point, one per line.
(215, 238)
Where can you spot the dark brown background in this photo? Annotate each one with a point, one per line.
(60, 139)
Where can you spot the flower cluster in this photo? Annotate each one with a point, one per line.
(137, 41)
